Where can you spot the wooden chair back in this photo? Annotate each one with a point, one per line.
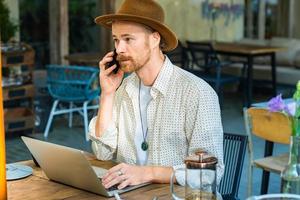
(271, 126)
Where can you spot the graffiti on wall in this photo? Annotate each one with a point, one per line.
(214, 10)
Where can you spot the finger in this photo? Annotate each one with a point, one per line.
(113, 172)
(109, 54)
(120, 73)
(124, 184)
(109, 70)
(116, 168)
(107, 58)
(103, 62)
(115, 181)
(109, 177)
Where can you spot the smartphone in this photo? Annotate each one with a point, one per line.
(114, 61)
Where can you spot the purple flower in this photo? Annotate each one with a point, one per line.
(276, 104)
(290, 108)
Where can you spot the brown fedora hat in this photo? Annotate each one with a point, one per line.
(146, 12)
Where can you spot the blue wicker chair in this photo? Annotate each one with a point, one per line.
(73, 85)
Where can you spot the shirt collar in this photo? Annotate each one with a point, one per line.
(163, 78)
(160, 85)
(132, 84)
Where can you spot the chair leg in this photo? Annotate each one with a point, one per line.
(218, 88)
(55, 103)
(221, 97)
(266, 175)
(244, 84)
(70, 115)
(250, 180)
(218, 84)
(85, 116)
(265, 182)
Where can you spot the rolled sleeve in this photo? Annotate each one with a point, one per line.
(105, 146)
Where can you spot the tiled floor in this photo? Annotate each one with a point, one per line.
(74, 137)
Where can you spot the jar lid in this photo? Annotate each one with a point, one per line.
(201, 160)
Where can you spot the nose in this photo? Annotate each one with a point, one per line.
(120, 47)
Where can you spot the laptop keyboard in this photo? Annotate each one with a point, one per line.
(112, 188)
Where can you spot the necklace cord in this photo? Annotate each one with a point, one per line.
(144, 144)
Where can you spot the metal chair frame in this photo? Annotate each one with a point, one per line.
(234, 154)
(206, 58)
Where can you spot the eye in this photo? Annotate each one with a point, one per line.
(127, 39)
(115, 41)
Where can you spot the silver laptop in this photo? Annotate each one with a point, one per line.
(70, 166)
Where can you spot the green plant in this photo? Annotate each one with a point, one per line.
(82, 25)
(7, 28)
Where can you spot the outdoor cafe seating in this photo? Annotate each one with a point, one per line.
(210, 66)
(243, 51)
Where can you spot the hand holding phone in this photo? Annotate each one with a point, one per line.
(113, 62)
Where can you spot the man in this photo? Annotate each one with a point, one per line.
(158, 115)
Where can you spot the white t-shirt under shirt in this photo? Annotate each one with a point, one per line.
(141, 132)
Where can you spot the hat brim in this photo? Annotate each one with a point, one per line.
(168, 35)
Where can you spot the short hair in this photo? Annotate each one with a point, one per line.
(162, 42)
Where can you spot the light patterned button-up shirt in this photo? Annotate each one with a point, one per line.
(183, 116)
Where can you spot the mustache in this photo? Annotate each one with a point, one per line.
(123, 58)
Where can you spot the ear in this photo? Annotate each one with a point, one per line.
(155, 37)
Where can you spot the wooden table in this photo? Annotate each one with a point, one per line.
(249, 52)
(39, 187)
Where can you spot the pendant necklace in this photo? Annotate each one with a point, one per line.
(144, 144)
